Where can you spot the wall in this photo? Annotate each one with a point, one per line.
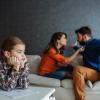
(36, 20)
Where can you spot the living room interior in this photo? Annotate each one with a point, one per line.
(34, 21)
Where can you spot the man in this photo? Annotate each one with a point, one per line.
(91, 62)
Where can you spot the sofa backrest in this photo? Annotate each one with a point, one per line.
(34, 61)
(77, 61)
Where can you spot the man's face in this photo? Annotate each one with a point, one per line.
(81, 39)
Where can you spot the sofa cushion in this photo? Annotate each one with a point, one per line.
(68, 83)
(43, 81)
(96, 85)
(34, 61)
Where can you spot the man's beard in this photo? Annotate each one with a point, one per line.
(82, 43)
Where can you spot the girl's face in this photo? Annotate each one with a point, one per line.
(18, 51)
(62, 41)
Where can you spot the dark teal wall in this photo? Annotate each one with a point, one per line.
(36, 20)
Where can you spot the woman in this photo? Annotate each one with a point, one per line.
(52, 63)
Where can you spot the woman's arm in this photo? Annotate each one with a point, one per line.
(71, 58)
(61, 59)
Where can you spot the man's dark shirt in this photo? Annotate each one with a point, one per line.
(91, 55)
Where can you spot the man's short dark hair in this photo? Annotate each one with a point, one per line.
(84, 30)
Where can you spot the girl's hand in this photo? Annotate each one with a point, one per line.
(23, 61)
(14, 61)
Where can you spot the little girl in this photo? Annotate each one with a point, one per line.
(13, 67)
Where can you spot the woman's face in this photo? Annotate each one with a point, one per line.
(62, 41)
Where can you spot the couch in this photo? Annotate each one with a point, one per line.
(64, 88)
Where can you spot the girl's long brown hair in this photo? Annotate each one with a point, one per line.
(53, 42)
(9, 43)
